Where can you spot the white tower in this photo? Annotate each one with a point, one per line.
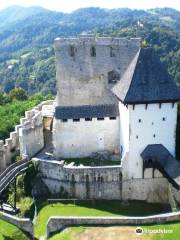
(148, 111)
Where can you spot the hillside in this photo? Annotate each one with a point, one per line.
(27, 35)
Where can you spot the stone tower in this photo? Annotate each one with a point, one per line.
(88, 67)
(87, 114)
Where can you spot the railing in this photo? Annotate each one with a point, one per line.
(11, 172)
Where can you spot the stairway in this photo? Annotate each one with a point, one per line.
(11, 172)
(158, 157)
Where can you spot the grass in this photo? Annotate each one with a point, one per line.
(10, 232)
(97, 208)
(117, 233)
(91, 162)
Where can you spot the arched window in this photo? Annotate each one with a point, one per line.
(93, 51)
(72, 51)
(113, 76)
(112, 52)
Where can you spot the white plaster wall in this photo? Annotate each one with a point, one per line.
(151, 123)
(124, 129)
(31, 136)
(79, 139)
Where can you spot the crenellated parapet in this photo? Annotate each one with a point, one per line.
(27, 139)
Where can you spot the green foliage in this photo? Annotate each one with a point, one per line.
(91, 161)
(31, 173)
(17, 94)
(27, 56)
(23, 196)
(12, 112)
(11, 232)
(144, 44)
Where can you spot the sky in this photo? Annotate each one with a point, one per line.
(70, 5)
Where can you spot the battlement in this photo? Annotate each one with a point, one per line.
(27, 138)
(93, 40)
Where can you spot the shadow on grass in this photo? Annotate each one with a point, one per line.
(131, 208)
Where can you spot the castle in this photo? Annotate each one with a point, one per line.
(114, 98)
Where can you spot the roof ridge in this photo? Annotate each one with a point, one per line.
(131, 68)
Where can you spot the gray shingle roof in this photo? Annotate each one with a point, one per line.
(146, 80)
(86, 111)
(156, 155)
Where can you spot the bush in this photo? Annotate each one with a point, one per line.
(18, 94)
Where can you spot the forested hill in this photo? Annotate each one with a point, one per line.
(27, 35)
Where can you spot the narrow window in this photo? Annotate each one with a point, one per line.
(113, 77)
(72, 51)
(112, 118)
(76, 120)
(112, 52)
(137, 136)
(100, 119)
(154, 135)
(93, 51)
(64, 120)
(164, 119)
(88, 119)
(139, 120)
(102, 179)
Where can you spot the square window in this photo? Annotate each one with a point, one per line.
(76, 120)
(139, 120)
(88, 119)
(64, 120)
(164, 119)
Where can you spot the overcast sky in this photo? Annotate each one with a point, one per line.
(70, 5)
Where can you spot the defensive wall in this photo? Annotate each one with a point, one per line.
(102, 182)
(56, 224)
(28, 138)
(25, 224)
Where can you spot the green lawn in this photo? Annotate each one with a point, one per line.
(10, 232)
(91, 162)
(118, 233)
(97, 208)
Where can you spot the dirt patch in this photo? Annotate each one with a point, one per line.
(111, 233)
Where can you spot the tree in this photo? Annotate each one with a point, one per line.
(18, 94)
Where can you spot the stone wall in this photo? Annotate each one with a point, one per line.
(27, 139)
(56, 224)
(104, 182)
(81, 182)
(82, 79)
(175, 193)
(25, 224)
